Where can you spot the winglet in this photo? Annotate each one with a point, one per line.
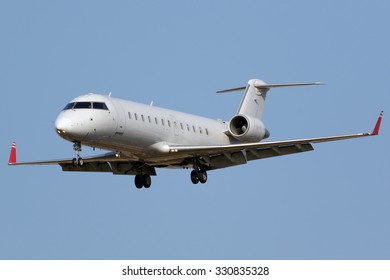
(377, 125)
(12, 155)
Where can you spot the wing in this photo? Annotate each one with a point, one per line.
(220, 156)
(108, 162)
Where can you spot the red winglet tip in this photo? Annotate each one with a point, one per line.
(377, 125)
(12, 156)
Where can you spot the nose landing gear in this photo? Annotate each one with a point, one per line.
(77, 161)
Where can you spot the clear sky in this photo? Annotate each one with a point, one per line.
(332, 203)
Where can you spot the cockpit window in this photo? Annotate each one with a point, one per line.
(86, 105)
(82, 105)
(69, 106)
(100, 105)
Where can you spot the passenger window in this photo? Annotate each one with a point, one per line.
(149, 119)
(181, 126)
(169, 123)
(142, 117)
(200, 130)
(162, 121)
(100, 105)
(135, 116)
(155, 119)
(207, 131)
(83, 105)
(129, 115)
(193, 128)
(188, 127)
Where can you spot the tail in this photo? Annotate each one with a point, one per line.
(252, 103)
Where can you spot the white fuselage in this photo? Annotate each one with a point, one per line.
(135, 130)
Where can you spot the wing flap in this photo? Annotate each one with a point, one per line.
(87, 167)
(230, 159)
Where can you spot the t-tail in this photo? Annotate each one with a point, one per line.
(246, 125)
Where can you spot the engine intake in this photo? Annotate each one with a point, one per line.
(247, 129)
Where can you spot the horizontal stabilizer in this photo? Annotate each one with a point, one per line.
(288, 85)
(260, 86)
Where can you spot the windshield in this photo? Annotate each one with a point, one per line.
(86, 105)
(68, 106)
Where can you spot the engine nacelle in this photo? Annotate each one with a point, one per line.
(247, 129)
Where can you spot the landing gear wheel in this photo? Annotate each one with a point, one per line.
(202, 176)
(80, 162)
(142, 180)
(77, 162)
(138, 181)
(147, 181)
(194, 177)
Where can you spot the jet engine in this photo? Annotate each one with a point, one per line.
(247, 129)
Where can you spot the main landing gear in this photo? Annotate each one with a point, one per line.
(142, 180)
(198, 175)
(77, 161)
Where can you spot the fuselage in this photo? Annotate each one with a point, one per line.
(135, 130)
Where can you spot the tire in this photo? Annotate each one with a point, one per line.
(194, 177)
(202, 176)
(80, 162)
(146, 180)
(138, 181)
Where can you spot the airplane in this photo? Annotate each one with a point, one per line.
(141, 138)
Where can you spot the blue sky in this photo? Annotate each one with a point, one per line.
(332, 203)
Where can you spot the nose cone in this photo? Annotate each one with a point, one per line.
(69, 129)
(63, 125)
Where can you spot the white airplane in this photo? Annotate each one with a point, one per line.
(141, 137)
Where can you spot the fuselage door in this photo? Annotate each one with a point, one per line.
(121, 119)
(175, 125)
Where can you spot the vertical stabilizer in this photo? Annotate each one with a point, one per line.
(252, 103)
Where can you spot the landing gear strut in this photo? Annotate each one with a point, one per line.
(142, 180)
(77, 161)
(198, 175)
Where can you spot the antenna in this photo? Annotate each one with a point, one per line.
(109, 95)
(151, 103)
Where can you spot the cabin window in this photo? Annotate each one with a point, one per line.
(149, 119)
(207, 131)
(162, 122)
(181, 126)
(99, 105)
(83, 105)
(68, 106)
(129, 115)
(135, 116)
(193, 128)
(200, 130)
(188, 127)
(169, 123)
(155, 119)
(142, 117)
